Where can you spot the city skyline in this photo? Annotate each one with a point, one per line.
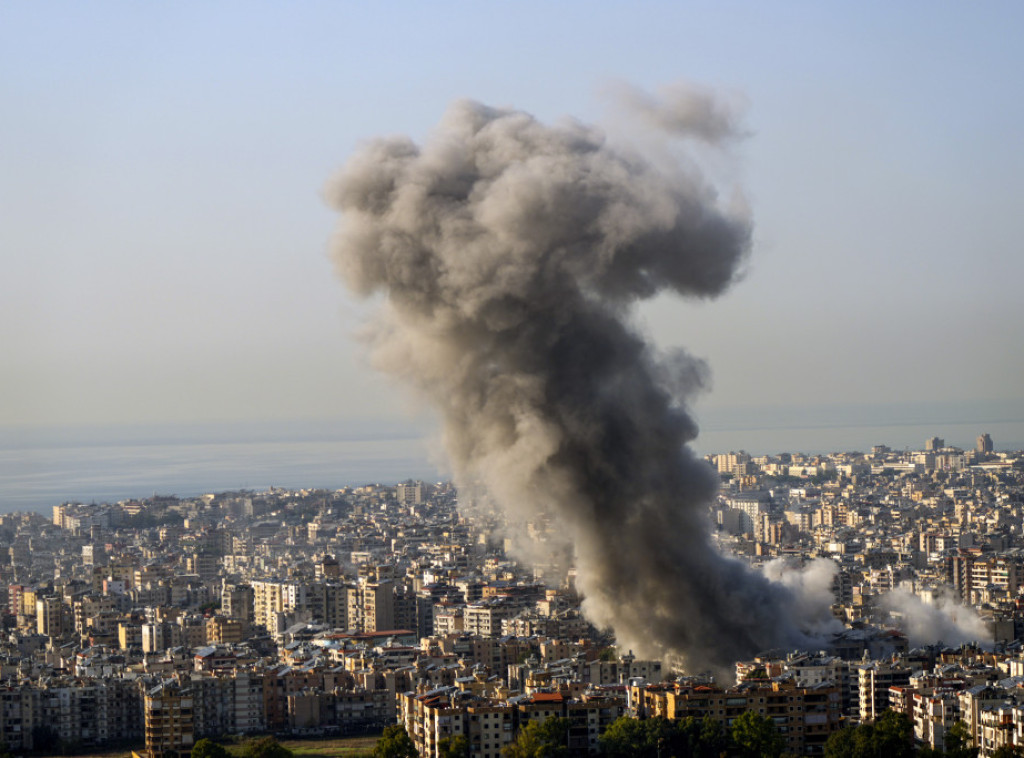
(160, 621)
(165, 245)
(432, 371)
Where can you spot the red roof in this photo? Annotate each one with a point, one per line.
(547, 697)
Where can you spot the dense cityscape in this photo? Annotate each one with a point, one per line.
(156, 623)
(511, 380)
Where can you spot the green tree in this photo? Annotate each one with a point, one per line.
(453, 747)
(645, 738)
(395, 742)
(688, 738)
(1008, 751)
(959, 741)
(547, 739)
(842, 744)
(891, 736)
(264, 747)
(623, 738)
(206, 748)
(649, 738)
(755, 736)
(712, 739)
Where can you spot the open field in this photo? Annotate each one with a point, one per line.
(342, 747)
(338, 747)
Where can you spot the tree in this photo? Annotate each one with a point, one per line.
(1008, 751)
(264, 747)
(649, 738)
(453, 747)
(842, 744)
(679, 738)
(623, 738)
(547, 739)
(45, 739)
(395, 742)
(891, 736)
(712, 740)
(959, 741)
(207, 748)
(756, 736)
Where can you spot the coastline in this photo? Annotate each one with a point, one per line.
(40, 468)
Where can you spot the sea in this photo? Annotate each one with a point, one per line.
(44, 466)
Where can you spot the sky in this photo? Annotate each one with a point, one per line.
(164, 235)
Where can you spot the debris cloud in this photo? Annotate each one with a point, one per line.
(943, 619)
(509, 254)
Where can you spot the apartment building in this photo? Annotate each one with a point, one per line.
(873, 683)
(490, 724)
(805, 716)
(371, 605)
(972, 573)
(169, 720)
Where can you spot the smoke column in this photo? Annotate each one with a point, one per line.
(509, 254)
(944, 619)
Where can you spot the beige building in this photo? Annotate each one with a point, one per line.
(873, 683)
(169, 721)
(371, 605)
(50, 616)
(805, 715)
(490, 724)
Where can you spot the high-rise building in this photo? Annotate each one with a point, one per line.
(873, 683)
(733, 463)
(409, 493)
(170, 723)
(335, 608)
(238, 601)
(935, 443)
(270, 599)
(158, 637)
(984, 444)
(371, 605)
(50, 616)
(15, 593)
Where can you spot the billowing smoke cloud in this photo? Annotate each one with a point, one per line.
(943, 620)
(811, 585)
(509, 253)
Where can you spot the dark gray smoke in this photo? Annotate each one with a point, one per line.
(509, 253)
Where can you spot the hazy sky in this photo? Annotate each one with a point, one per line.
(164, 236)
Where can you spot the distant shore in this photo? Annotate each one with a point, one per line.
(41, 467)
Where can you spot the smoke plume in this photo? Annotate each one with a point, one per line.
(509, 254)
(811, 585)
(682, 109)
(943, 620)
